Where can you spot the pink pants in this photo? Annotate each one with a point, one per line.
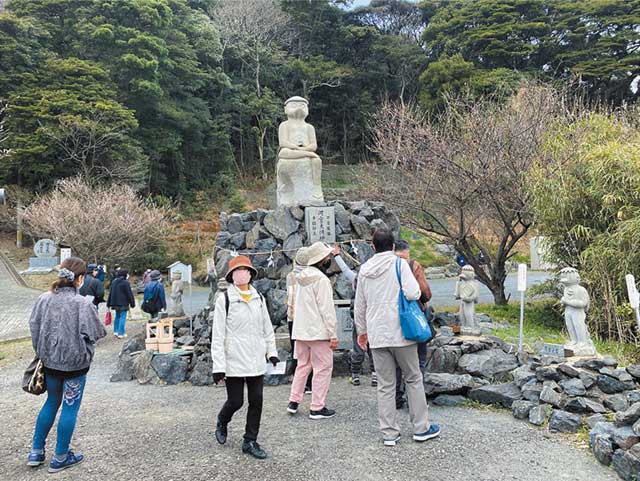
(316, 356)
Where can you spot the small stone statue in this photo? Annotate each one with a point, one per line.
(575, 299)
(299, 168)
(468, 292)
(177, 290)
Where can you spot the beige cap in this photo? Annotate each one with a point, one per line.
(302, 256)
(316, 252)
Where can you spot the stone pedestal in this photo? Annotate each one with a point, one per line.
(296, 182)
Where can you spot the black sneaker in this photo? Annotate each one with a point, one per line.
(221, 432)
(354, 379)
(254, 449)
(292, 408)
(324, 413)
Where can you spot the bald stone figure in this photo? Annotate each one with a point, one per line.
(299, 168)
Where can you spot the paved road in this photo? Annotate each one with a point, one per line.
(134, 432)
(442, 290)
(15, 306)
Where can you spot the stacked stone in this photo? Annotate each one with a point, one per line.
(544, 390)
(269, 233)
(148, 367)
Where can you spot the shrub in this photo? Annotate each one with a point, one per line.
(108, 223)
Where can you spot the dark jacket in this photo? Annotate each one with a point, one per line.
(93, 287)
(64, 329)
(155, 292)
(121, 295)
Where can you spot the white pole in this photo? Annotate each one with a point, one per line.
(522, 287)
(521, 341)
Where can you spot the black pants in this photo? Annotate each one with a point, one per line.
(235, 399)
(295, 361)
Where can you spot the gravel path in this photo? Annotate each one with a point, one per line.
(162, 433)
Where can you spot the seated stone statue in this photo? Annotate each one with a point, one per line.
(177, 291)
(468, 292)
(575, 300)
(299, 168)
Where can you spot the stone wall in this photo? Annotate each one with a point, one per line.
(271, 239)
(563, 395)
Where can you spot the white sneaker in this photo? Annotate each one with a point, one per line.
(391, 442)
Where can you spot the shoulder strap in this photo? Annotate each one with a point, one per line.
(398, 264)
(226, 301)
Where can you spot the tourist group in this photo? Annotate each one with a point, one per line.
(65, 328)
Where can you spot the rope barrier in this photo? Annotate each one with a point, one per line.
(235, 253)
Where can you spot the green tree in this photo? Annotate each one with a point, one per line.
(587, 204)
(64, 119)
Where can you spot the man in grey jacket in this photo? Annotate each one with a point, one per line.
(378, 322)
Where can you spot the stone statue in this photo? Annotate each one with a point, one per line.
(575, 299)
(299, 168)
(468, 292)
(177, 290)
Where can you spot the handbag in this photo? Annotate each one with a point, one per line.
(413, 322)
(33, 379)
(108, 319)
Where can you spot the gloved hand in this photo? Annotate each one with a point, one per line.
(217, 377)
(274, 360)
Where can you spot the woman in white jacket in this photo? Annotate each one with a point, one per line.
(314, 330)
(241, 342)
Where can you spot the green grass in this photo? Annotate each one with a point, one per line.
(423, 249)
(543, 322)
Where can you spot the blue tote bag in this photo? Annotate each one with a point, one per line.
(413, 322)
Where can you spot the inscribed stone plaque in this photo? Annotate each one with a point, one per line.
(321, 224)
(45, 248)
(556, 350)
(344, 327)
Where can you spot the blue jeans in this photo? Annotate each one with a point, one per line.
(119, 322)
(67, 392)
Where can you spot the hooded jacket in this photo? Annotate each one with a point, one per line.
(376, 304)
(242, 341)
(314, 315)
(64, 329)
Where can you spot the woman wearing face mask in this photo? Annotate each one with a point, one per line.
(241, 342)
(314, 330)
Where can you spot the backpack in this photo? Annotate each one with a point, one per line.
(150, 305)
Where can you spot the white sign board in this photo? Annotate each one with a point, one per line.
(634, 299)
(321, 224)
(522, 277)
(65, 253)
(45, 248)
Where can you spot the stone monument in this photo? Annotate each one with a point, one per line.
(299, 168)
(177, 291)
(468, 292)
(575, 300)
(45, 257)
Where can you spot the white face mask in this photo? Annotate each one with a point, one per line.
(241, 277)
